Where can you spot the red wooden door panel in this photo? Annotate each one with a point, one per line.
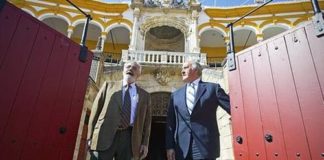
(308, 90)
(288, 106)
(60, 108)
(251, 108)
(9, 17)
(77, 103)
(39, 126)
(26, 97)
(281, 83)
(272, 131)
(43, 84)
(76, 106)
(317, 52)
(13, 67)
(238, 117)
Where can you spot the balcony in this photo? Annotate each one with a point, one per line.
(162, 57)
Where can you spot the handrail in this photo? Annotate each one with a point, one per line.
(84, 48)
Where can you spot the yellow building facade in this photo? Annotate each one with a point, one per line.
(161, 34)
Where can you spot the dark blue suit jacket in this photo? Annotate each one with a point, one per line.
(201, 124)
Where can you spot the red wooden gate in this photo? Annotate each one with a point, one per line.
(42, 86)
(277, 98)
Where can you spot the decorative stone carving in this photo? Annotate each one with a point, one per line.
(160, 102)
(162, 76)
(166, 3)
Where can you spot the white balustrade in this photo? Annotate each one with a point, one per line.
(162, 57)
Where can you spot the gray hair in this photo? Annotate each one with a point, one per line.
(196, 66)
(136, 63)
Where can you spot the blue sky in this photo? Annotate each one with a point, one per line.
(219, 3)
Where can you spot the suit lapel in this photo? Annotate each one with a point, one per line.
(200, 91)
(182, 95)
(139, 97)
(119, 95)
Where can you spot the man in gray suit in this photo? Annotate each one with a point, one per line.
(120, 120)
(192, 131)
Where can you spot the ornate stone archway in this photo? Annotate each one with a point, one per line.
(165, 33)
(177, 22)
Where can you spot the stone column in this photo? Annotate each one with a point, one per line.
(103, 40)
(132, 45)
(70, 31)
(194, 30)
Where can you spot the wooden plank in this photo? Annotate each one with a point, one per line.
(9, 19)
(36, 145)
(308, 90)
(63, 102)
(13, 67)
(241, 151)
(27, 94)
(73, 120)
(251, 108)
(290, 115)
(268, 104)
(316, 46)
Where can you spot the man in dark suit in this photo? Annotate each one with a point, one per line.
(192, 131)
(120, 119)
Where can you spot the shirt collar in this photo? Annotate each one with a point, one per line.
(195, 82)
(132, 84)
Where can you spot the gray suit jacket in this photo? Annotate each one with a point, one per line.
(105, 118)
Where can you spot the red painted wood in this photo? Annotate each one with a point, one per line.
(45, 84)
(73, 120)
(9, 19)
(13, 67)
(39, 126)
(251, 108)
(316, 46)
(62, 105)
(27, 95)
(290, 115)
(268, 104)
(308, 90)
(237, 115)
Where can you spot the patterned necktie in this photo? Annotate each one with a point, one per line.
(126, 110)
(190, 97)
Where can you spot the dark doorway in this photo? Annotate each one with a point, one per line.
(159, 105)
(157, 140)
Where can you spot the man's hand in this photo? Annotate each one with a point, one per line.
(170, 154)
(143, 151)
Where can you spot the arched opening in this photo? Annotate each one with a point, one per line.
(57, 23)
(212, 42)
(244, 38)
(117, 40)
(92, 35)
(164, 38)
(159, 105)
(272, 31)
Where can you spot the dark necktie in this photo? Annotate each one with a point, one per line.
(126, 110)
